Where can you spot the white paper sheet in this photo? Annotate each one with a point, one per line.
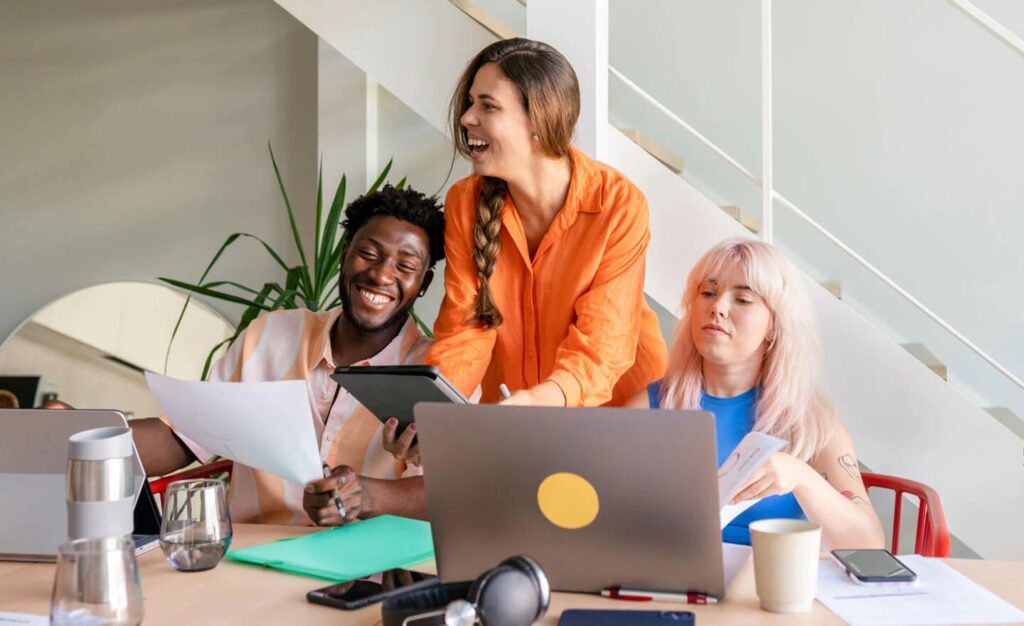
(268, 426)
(23, 619)
(941, 595)
(751, 453)
(730, 511)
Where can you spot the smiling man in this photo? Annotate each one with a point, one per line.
(395, 237)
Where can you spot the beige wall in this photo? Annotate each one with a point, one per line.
(134, 141)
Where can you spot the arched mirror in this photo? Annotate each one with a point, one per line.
(91, 347)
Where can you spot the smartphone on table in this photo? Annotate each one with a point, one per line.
(602, 617)
(355, 594)
(873, 567)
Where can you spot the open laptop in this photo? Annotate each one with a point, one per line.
(33, 484)
(502, 481)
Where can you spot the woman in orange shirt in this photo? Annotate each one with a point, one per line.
(545, 247)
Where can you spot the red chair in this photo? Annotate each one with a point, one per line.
(210, 470)
(932, 534)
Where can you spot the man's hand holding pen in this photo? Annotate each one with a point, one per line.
(336, 499)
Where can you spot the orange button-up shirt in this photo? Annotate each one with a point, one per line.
(573, 314)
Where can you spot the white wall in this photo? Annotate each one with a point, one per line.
(134, 141)
(898, 126)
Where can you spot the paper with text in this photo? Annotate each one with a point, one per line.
(267, 426)
(941, 595)
(751, 453)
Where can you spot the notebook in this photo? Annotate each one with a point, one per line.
(346, 552)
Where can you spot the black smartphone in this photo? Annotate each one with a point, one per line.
(355, 594)
(873, 566)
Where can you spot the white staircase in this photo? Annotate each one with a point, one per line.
(905, 420)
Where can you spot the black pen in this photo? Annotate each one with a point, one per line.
(337, 499)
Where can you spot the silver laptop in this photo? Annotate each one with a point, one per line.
(33, 486)
(502, 481)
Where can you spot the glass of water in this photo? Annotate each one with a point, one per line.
(97, 582)
(196, 531)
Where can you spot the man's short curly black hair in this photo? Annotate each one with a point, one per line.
(406, 204)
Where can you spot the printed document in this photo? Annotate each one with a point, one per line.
(941, 595)
(750, 454)
(268, 426)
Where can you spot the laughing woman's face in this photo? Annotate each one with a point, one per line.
(497, 125)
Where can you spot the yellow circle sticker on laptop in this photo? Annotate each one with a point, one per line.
(568, 500)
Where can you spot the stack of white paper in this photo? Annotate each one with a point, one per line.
(941, 595)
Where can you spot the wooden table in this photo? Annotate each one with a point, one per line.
(233, 593)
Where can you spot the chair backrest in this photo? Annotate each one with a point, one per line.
(932, 535)
(210, 470)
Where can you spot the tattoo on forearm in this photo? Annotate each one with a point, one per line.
(848, 463)
(852, 497)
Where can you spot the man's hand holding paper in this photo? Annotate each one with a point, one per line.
(267, 426)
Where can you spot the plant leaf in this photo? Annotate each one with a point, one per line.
(401, 184)
(209, 357)
(220, 295)
(285, 301)
(380, 179)
(291, 220)
(423, 327)
(332, 225)
(319, 209)
(220, 283)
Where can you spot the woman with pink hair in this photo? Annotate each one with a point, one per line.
(747, 350)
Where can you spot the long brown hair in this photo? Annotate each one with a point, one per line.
(551, 95)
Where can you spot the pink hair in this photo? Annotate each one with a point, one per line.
(792, 402)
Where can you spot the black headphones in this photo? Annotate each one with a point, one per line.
(516, 593)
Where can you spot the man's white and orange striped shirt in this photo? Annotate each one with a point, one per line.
(296, 345)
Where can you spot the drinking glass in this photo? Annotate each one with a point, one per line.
(196, 531)
(97, 582)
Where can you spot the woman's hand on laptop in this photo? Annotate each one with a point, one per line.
(401, 447)
(318, 497)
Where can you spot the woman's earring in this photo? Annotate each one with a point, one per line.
(535, 137)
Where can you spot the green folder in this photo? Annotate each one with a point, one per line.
(347, 552)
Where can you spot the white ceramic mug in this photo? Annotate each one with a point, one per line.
(786, 554)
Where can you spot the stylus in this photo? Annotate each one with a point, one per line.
(504, 390)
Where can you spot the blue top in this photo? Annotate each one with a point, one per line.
(734, 418)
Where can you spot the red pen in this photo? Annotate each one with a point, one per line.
(644, 595)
